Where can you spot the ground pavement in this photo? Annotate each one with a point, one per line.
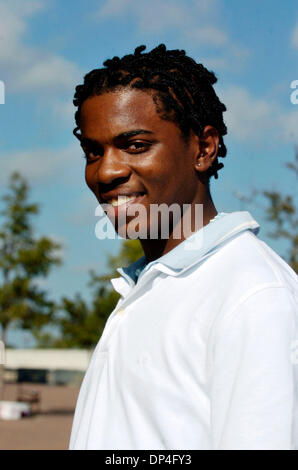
(48, 429)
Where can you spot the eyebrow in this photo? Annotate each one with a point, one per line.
(133, 132)
(119, 136)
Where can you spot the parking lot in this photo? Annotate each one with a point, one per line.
(49, 428)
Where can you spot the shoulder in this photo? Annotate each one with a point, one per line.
(258, 288)
(252, 285)
(249, 264)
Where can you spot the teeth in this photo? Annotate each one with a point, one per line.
(121, 200)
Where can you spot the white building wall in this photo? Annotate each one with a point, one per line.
(50, 359)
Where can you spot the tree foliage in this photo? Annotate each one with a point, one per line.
(281, 212)
(23, 258)
(80, 325)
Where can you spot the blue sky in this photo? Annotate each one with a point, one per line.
(47, 46)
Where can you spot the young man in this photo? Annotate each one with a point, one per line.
(198, 353)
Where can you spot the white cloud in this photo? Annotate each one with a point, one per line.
(289, 123)
(246, 116)
(171, 8)
(195, 23)
(156, 16)
(38, 165)
(52, 74)
(25, 67)
(84, 213)
(294, 38)
(209, 35)
(252, 119)
(64, 110)
(213, 63)
(150, 17)
(13, 14)
(113, 7)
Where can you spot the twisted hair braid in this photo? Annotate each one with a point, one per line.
(183, 91)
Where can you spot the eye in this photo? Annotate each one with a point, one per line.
(137, 147)
(90, 153)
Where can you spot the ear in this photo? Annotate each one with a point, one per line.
(208, 148)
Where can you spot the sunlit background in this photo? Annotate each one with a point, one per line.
(46, 48)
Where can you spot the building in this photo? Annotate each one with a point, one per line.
(52, 366)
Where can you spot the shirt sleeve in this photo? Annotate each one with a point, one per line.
(253, 382)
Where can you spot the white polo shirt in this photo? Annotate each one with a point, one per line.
(200, 353)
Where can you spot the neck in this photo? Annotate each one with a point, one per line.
(154, 249)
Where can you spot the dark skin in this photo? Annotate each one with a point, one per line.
(157, 160)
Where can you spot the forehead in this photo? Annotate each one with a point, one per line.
(118, 111)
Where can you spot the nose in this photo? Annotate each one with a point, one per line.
(110, 166)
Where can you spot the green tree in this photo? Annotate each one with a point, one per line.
(80, 325)
(282, 212)
(131, 250)
(23, 258)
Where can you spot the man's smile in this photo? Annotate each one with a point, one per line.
(117, 206)
(119, 199)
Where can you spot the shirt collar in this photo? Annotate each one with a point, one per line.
(194, 249)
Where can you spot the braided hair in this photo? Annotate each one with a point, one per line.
(183, 91)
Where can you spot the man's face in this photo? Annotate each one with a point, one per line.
(132, 150)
